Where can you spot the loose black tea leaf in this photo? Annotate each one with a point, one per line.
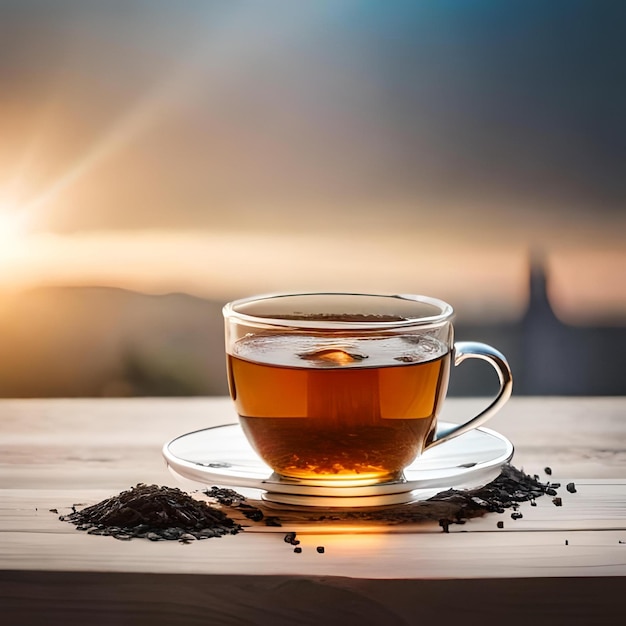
(251, 512)
(510, 488)
(548, 470)
(161, 513)
(571, 487)
(321, 549)
(230, 498)
(154, 513)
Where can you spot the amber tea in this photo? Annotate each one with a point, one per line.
(333, 388)
(321, 408)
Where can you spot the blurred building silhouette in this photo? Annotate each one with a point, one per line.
(547, 357)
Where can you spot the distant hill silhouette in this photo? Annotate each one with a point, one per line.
(67, 341)
(74, 341)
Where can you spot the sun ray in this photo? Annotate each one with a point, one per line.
(216, 59)
(207, 61)
(13, 225)
(15, 191)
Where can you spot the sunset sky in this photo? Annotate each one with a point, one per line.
(231, 147)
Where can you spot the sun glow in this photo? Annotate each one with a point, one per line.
(12, 227)
(11, 224)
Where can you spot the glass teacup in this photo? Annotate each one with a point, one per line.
(342, 387)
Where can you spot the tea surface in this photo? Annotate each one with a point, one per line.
(328, 407)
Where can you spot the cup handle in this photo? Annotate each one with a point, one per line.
(475, 350)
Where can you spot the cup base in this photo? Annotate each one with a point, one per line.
(343, 480)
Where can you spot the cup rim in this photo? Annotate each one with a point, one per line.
(447, 312)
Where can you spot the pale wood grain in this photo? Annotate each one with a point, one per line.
(117, 442)
(358, 555)
(55, 453)
(69, 452)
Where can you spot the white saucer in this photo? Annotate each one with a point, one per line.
(222, 456)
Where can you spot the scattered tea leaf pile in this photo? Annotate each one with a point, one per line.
(155, 513)
(507, 491)
(158, 513)
(453, 506)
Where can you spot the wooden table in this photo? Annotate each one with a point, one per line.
(556, 565)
